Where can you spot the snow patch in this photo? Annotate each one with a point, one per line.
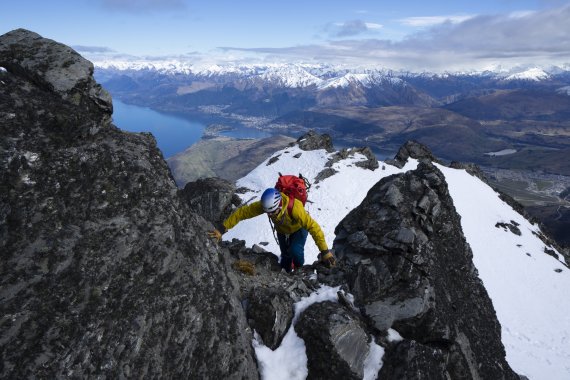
(373, 362)
(503, 152)
(394, 336)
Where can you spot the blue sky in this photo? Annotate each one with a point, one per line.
(417, 35)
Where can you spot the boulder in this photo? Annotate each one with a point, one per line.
(313, 141)
(212, 198)
(53, 67)
(336, 340)
(412, 149)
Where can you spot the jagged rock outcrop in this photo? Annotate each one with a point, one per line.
(370, 163)
(411, 149)
(400, 251)
(212, 198)
(313, 141)
(53, 67)
(105, 272)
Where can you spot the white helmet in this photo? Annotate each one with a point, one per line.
(270, 200)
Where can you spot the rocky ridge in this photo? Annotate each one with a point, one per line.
(106, 270)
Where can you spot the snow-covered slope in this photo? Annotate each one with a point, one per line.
(291, 76)
(534, 74)
(528, 287)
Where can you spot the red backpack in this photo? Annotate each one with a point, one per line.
(293, 187)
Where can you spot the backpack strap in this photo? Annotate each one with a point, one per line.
(290, 205)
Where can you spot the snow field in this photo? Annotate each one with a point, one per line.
(529, 296)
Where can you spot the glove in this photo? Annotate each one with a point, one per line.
(327, 258)
(216, 235)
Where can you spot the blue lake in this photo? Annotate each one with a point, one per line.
(173, 134)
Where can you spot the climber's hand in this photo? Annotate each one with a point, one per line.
(216, 235)
(327, 258)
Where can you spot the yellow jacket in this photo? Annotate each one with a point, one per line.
(284, 223)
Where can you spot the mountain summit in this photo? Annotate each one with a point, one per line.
(106, 269)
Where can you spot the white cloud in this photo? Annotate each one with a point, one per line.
(373, 26)
(351, 28)
(541, 37)
(92, 49)
(428, 21)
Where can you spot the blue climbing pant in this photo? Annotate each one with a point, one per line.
(292, 248)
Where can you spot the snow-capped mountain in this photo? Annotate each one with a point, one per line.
(289, 76)
(306, 75)
(534, 74)
(527, 286)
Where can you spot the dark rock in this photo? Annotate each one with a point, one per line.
(324, 174)
(409, 267)
(370, 163)
(270, 312)
(313, 141)
(411, 149)
(273, 160)
(105, 271)
(53, 67)
(212, 198)
(411, 360)
(336, 340)
(513, 227)
(470, 168)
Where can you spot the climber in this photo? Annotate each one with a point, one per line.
(292, 226)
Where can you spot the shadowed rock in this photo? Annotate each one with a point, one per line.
(313, 141)
(411, 149)
(270, 312)
(411, 360)
(336, 340)
(212, 198)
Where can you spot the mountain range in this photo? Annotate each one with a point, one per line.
(516, 119)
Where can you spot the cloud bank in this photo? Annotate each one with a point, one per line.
(472, 43)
